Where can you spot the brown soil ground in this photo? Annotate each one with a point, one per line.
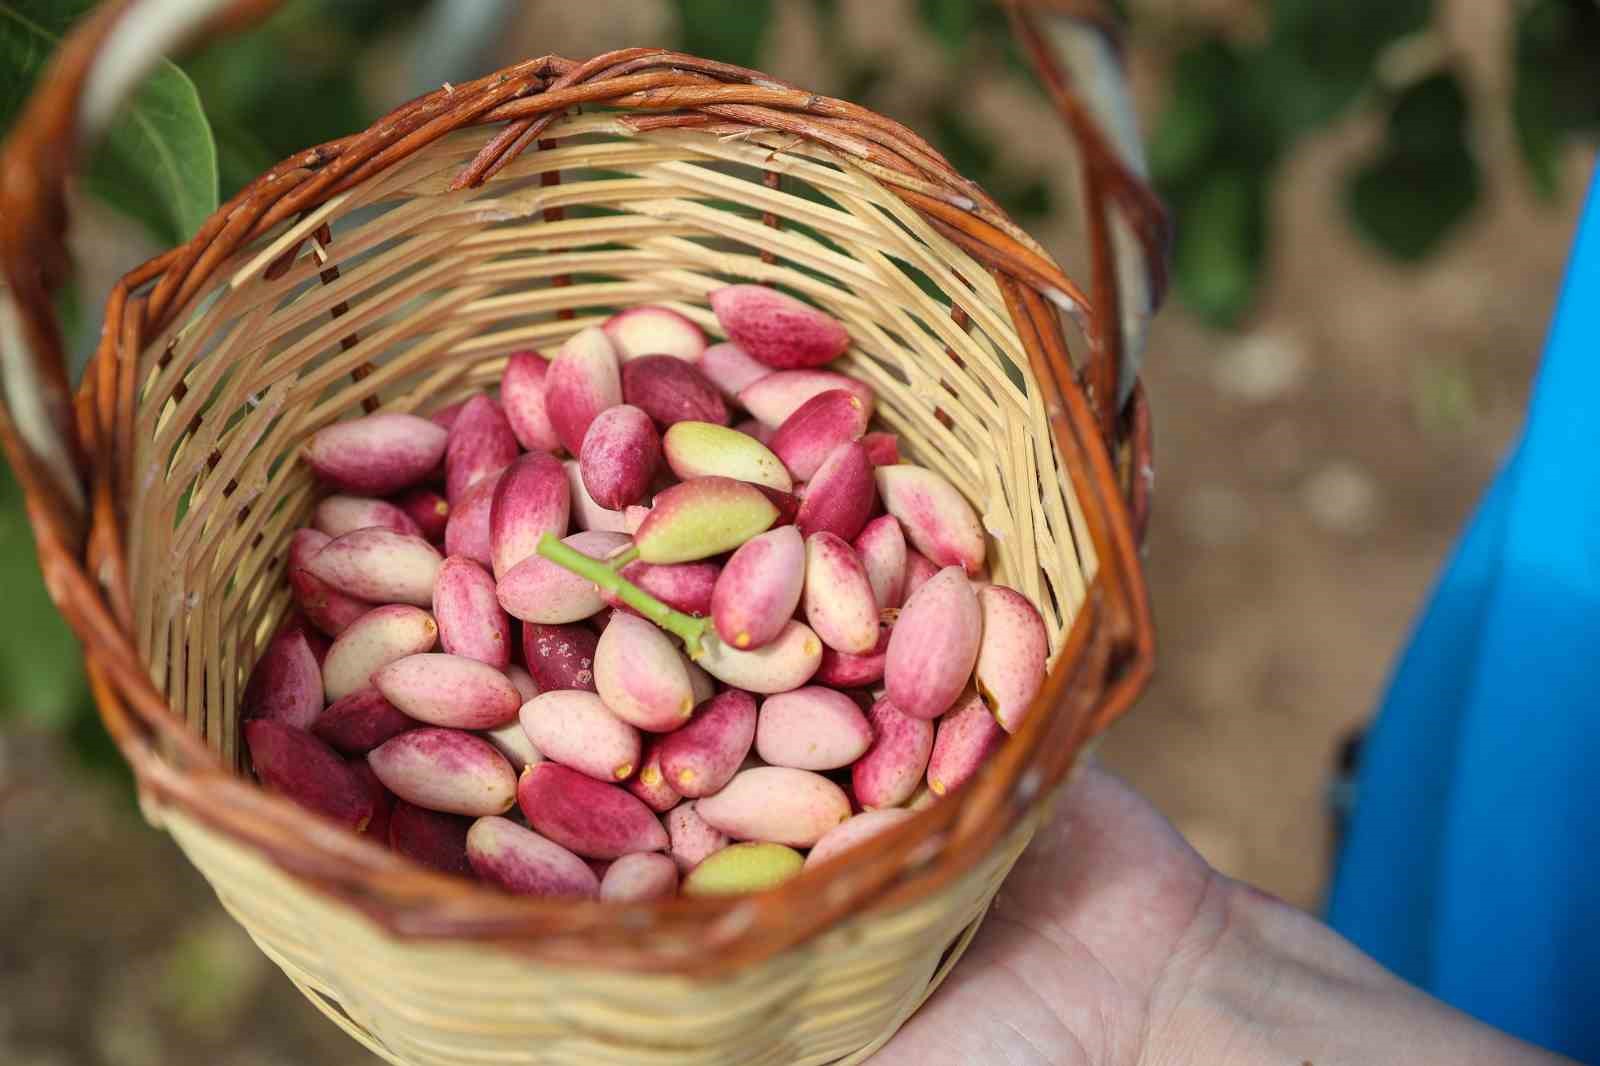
(1312, 472)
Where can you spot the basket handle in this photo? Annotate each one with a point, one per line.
(97, 67)
(1074, 46)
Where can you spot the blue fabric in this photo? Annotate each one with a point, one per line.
(1472, 861)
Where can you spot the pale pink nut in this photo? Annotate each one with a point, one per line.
(446, 770)
(324, 606)
(286, 684)
(773, 398)
(522, 399)
(640, 332)
(583, 380)
(692, 839)
(881, 547)
(919, 570)
(531, 499)
(934, 645)
(856, 830)
(480, 443)
(703, 756)
(589, 817)
(776, 804)
(1011, 657)
(373, 641)
(843, 670)
(319, 641)
(296, 764)
(633, 518)
(670, 391)
(360, 722)
(938, 521)
(882, 448)
(449, 690)
(967, 736)
(466, 532)
(751, 428)
(379, 565)
(430, 838)
(586, 513)
(513, 743)
(574, 728)
(559, 656)
(837, 599)
(338, 515)
(383, 802)
(619, 457)
(822, 423)
(650, 784)
(377, 454)
(522, 862)
(777, 329)
(812, 728)
(702, 518)
(701, 449)
(758, 590)
(786, 662)
(893, 766)
(527, 687)
(702, 684)
(841, 495)
(428, 511)
(538, 590)
(685, 587)
(639, 878)
(640, 676)
(471, 622)
(730, 368)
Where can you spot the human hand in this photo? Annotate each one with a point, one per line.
(1113, 943)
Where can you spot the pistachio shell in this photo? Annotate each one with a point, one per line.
(856, 830)
(649, 330)
(1011, 657)
(374, 640)
(774, 397)
(530, 499)
(582, 380)
(589, 817)
(337, 515)
(757, 592)
(822, 423)
(892, 768)
(379, 565)
(640, 676)
(640, 877)
(703, 449)
(296, 764)
(701, 757)
(841, 495)
(785, 663)
(575, 729)
(777, 804)
(620, 455)
(471, 621)
(967, 736)
(448, 690)
(650, 784)
(559, 656)
(360, 722)
(430, 838)
(324, 606)
(838, 600)
(742, 868)
(692, 840)
(702, 518)
(671, 390)
(937, 519)
(445, 770)
(376, 454)
(934, 645)
(730, 368)
(522, 399)
(881, 547)
(286, 684)
(777, 329)
(480, 443)
(521, 861)
(812, 728)
(538, 590)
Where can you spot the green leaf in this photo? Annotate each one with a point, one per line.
(729, 30)
(157, 162)
(1220, 239)
(1557, 89)
(1424, 180)
(41, 666)
(1324, 54)
(950, 21)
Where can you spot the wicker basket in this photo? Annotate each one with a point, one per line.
(394, 270)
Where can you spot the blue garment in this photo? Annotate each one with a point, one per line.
(1472, 861)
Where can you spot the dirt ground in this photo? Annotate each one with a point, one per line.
(1312, 472)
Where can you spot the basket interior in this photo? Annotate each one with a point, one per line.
(408, 295)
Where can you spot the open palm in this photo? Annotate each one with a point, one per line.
(1088, 943)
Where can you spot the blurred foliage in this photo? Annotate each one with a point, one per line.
(1233, 111)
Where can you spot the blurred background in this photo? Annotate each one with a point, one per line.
(1374, 203)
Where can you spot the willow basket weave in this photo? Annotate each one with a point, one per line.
(394, 270)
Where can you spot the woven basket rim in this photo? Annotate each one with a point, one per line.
(1103, 665)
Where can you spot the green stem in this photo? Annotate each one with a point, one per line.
(604, 574)
(623, 558)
